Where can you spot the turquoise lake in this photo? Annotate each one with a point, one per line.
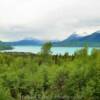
(55, 50)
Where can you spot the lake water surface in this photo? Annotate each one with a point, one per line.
(55, 50)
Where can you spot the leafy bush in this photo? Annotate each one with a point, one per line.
(25, 76)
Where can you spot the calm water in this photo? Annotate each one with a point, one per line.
(55, 50)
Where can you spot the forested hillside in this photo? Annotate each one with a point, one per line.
(25, 76)
(4, 46)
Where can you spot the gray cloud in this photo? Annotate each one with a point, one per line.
(48, 19)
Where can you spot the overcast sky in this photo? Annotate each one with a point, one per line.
(47, 19)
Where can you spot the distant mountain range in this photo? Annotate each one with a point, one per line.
(26, 41)
(74, 40)
(72, 37)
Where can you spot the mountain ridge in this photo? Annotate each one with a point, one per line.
(74, 40)
(92, 40)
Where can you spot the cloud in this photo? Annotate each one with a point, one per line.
(47, 19)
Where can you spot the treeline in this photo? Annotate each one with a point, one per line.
(26, 76)
(4, 46)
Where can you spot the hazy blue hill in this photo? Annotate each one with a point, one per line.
(73, 37)
(26, 42)
(74, 40)
(94, 37)
(29, 41)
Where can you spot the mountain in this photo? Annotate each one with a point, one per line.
(73, 37)
(28, 41)
(94, 37)
(74, 40)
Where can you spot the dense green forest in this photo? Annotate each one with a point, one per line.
(43, 76)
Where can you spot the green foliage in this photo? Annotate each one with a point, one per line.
(5, 46)
(25, 76)
(4, 94)
(46, 53)
(46, 48)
